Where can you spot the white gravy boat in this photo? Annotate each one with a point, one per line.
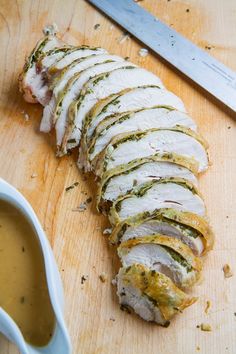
(60, 341)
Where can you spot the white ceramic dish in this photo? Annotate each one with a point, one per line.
(60, 342)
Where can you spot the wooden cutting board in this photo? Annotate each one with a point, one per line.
(96, 324)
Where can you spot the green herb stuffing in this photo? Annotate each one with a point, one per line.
(178, 258)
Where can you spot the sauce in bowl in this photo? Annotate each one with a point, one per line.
(23, 287)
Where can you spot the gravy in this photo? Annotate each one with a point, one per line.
(23, 288)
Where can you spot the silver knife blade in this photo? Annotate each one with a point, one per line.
(191, 60)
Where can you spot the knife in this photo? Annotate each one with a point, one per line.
(194, 62)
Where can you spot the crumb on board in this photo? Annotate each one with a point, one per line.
(50, 29)
(227, 271)
(107, 231)
(114, 282)
(206, 327)
(88, 200)
(83, 206)
(34, 175)
(72, 186)
(103, 277)
(208, 305)
(83, 279)
(198, 348)
(26, 116)
(124, 37)
(143, 52)
(96, 26)
(112, 319)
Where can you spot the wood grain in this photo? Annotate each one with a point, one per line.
(96, 324)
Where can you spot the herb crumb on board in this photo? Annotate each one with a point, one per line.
(97, 26)
(72, 186)
(114, 282)
(103, 277)
(227, 271)
(143, 52)
(124, 37)
(83, 206)
(208, 305)
(25, 115)
(88, 200)
(50, 29)
(205, 327)
(83, 279)
(107, 231)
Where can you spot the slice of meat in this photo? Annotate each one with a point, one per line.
(28, 78)
(150, 294)
(178, 140)
(72, 92)
(163, 254)
(122, 180)
(156, 117)
(49, 65)
(133, 99)
(50, 57)
(101, 87)
(75, 54)
(190, 228)
(175, 193)
(47, 59)
(59, 83)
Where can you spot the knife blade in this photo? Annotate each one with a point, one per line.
(197, 64)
